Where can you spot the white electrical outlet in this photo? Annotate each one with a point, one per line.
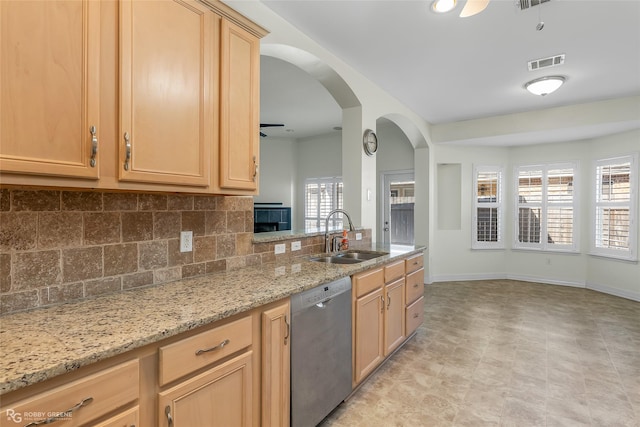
(186, 241)
(358, 236)
(296, 246)
(279, 249)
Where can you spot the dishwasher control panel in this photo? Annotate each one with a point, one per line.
(320, 293)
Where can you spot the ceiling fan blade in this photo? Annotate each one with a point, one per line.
(473, 7)
(270, 125)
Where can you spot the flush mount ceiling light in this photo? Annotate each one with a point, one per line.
(443, 6)
(544, 85)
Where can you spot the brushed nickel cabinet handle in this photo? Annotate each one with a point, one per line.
(94, 146)
(167, 412)
(217, 347)
(61, 415)
(127, 148)
(388, 302)
(255, 169)
(382, 308)
(286, 337)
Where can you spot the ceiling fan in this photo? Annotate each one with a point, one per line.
(269, 125)
(471, 7)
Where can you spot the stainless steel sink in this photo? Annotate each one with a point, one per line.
(361, 255)
(351, 257)
(336, 260)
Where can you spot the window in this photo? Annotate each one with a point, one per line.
(488, 217)
(546, 207)
(615, 208)
(321, 196)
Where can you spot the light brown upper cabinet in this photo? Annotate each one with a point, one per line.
(239, 148)
(166, 91)
(49, 88)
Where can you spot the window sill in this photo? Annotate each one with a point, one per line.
(614, 258)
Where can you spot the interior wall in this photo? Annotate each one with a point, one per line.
(451, 256)
(453, 259)
(395, 152)
(316, 157)
(277, 171)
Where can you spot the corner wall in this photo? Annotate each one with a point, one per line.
(453, 259)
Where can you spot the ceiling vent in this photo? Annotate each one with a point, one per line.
(551, 61)
(526, 4)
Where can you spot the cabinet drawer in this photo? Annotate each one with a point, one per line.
(190, 354)
(415, 286)
(393, 271)
(124, 419)
(415, 316)
(101, 393)
(368, 281)
(414, 263)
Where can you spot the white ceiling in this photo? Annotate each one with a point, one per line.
(448, 69)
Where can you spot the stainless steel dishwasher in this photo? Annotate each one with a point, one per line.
(320, 351)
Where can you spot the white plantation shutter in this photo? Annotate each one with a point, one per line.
(321, 196)
(529, 200)
(615, 215)
(560, 206)
(487, 226)
(546, 205)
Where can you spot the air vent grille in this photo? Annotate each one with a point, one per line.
(526, 4)
(551, 61)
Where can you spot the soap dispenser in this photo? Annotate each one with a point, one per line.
(345, 241)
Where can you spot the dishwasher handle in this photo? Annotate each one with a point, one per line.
(325, 303)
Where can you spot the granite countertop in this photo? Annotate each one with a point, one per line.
(40, 344)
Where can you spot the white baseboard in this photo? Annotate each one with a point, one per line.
(635, 296)
(467, 277)
(546, 281)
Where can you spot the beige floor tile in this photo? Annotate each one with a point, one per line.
(508, 353)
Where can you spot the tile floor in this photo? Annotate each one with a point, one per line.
(508, 353)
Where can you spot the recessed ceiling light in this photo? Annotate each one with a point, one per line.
(443, 6)
(544, 85)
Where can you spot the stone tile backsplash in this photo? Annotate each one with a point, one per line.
(59, 246)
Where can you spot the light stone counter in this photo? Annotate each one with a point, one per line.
(40, 344)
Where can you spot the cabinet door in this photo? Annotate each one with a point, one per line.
(369, 332)
(219, 397)
(275, 366)
(49, 87)
(239, 109)
(166, 103)
(394, 316)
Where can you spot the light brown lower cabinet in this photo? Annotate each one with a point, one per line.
(383, 315)
(234, 372)
(220, 396)
(78, 402)
(394, 316)
(276, 362)
(368, 334)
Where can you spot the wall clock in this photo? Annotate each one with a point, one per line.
(370, 142)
